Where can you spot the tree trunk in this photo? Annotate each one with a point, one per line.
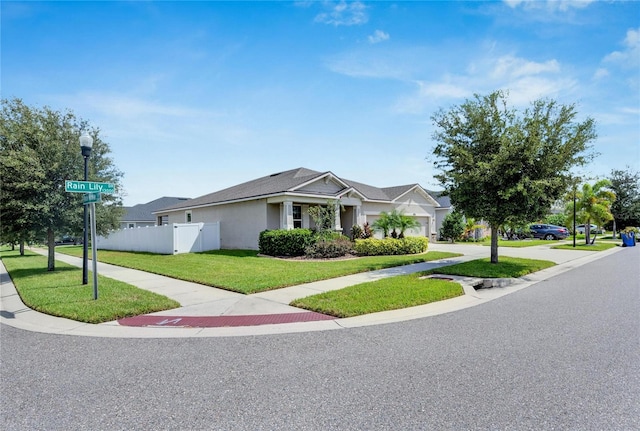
(494, 244)
(51, 242)
(587, 232)
(22, 248)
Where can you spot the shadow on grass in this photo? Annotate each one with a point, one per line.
(30, 272)
(231, 253)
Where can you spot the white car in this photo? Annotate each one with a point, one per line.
(594, 229)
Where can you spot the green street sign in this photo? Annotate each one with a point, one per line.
(88, 187)
(91, 198)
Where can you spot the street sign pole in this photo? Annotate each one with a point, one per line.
(92, 194)
(93, 251)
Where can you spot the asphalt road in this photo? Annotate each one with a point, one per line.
(560, 355)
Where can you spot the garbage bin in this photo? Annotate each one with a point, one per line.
(629, 239)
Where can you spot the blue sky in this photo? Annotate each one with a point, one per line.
(194, 97)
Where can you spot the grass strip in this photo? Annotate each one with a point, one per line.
(598, 246)
(507, 267)
(61, 292)
(245, 272)
(391, 293)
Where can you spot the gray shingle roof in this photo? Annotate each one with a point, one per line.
(286, 181)
(144, 212)
(444, 201)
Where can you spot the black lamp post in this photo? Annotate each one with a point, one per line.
(86, 142)
(574, 216)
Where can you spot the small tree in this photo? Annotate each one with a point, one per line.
(470, 227)
(383, 223)
(406, 222)
(324, 217)
(452, 226)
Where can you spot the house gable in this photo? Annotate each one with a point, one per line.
(329, 185)
(414, 191)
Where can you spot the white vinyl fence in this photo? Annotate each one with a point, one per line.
(168, 239)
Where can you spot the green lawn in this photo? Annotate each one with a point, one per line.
(507, 267)
(61, 292)
(518, 243)
(598, 246)
(410, 290)
(391, 293)
(245, 272)
(510, 243)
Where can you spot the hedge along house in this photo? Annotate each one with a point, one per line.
(282, 201)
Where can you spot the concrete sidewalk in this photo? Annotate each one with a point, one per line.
(198, 301)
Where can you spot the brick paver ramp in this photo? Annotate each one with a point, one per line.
(222, 321)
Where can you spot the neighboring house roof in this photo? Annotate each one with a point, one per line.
(444, 201)
(293, 181)
(144, 212)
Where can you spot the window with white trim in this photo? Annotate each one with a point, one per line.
(297, 216)
(187, 216)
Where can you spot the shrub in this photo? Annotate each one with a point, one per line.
(366, 231)
(283, 242)
(391, 246)
(356, 232)
(452, 227)
(326, 249)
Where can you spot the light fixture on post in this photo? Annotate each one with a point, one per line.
(86, 142)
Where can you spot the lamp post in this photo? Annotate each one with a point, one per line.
(86, 142)
(574, 216)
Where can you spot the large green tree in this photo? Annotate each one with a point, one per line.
(626, 208)
(505, 167)
(39, 150)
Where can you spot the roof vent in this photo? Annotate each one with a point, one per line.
(275, 175)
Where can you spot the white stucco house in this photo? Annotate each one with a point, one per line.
(282, 200)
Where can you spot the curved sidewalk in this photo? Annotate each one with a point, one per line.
(211, 312)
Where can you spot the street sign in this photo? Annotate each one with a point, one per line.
(88, 187)
(91, 198)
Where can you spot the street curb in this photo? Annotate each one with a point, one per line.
(14, 313)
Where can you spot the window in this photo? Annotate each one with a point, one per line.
(297, 216)
(131, 225)
(187, 216)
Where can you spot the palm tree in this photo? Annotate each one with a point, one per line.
(593, 205)
(383, 223)
(394, 221)
(470, 226)
(405, 223)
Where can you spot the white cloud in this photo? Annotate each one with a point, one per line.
(527, 89)
(601, 73)
(441, 90)
(549, 5)
(630, 55)
(513, 67)
(343, 13)
(387, 64)
(378, 36)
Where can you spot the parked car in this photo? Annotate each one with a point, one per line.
(68, 240)
(594, 229)
(548, 231)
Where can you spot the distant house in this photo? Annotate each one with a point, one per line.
(282, 200)
(141, 215)
(444, 208)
